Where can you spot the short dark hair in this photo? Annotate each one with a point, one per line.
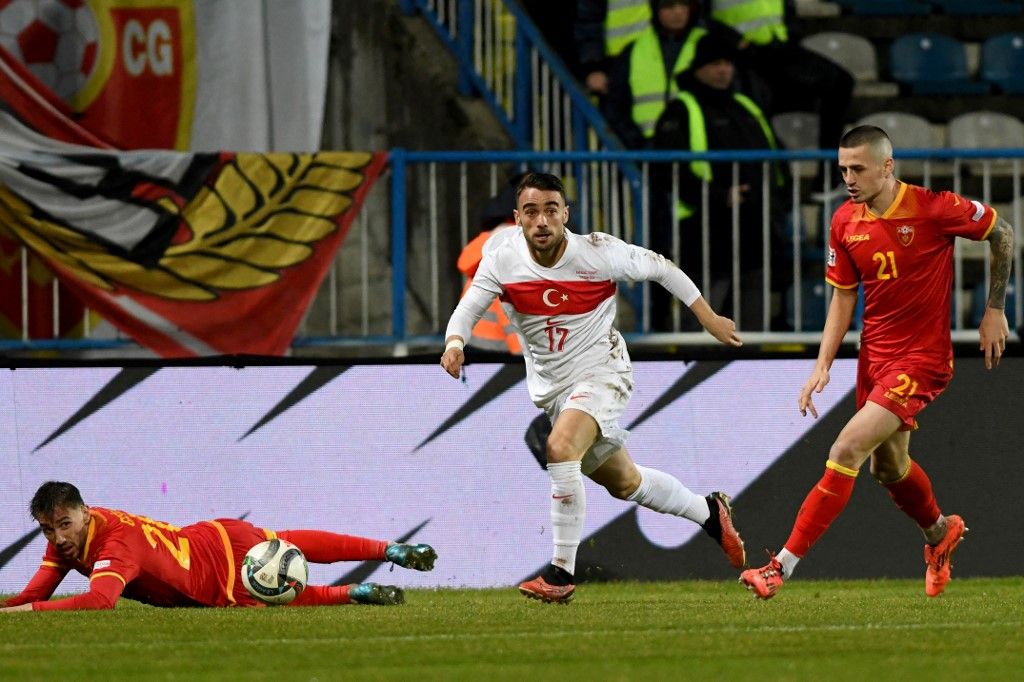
(543, 181)
(872, 136)
(861, 135)
(53, 494)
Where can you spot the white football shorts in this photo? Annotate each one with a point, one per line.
(604, 397)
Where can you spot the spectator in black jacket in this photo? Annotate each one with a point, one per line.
(791, 77)
(708, 114)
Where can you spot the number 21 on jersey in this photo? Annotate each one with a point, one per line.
(886, 264)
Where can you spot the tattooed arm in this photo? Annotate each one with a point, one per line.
(994, 329)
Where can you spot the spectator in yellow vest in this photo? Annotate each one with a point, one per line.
(709, 115)
(602, 30)
(642, 78)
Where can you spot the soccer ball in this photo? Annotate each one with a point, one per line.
(275, 571)
(57, 40)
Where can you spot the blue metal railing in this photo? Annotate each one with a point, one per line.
(401, 220)
(643, 159)
(464, 32)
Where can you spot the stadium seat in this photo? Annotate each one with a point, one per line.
(812, 305)
(907, 131)
(933, 64)
(977, 8)
(985, 130)
(812, 294)
(798, 130)
(886, 8)
(857, 55)
(854, 53)
(1002, 62)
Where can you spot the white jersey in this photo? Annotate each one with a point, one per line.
(566, 313)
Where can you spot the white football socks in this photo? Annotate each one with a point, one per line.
(568, 511)
(788, 561)
(664, 493)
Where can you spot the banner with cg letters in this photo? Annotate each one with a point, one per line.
(176, 74)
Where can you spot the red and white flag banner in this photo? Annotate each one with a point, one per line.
(188, 253)
(203, 75)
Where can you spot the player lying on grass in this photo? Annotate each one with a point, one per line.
(125, 555)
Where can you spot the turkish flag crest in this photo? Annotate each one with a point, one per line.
(905, 233)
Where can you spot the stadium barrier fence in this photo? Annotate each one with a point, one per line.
(430, 202)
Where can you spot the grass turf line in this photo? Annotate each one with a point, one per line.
(835, 630)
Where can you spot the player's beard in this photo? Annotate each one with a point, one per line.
(551, 246)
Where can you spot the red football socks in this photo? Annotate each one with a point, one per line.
(322, 595)
(822, 506)
(913, 494)
(322, 547)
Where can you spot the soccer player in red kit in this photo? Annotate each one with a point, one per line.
(125, 555)
(897, 240)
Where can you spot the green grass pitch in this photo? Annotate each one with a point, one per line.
(814, 630)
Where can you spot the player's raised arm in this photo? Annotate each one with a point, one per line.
(994, 329)
(638, 264)
(837, 322)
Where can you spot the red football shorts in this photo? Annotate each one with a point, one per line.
(903, 386)
(242, 536)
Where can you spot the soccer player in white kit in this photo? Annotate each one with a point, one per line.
(558, 289)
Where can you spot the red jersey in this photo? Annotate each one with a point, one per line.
(904, 257)
(154, 562)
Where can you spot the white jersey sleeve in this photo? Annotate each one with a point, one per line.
(477, 299)
(637, 264)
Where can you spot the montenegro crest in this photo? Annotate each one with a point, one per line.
(905, 233)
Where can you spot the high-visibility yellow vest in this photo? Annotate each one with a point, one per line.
(625, 21)
(653, 88)
(759, 21)
(699, 140)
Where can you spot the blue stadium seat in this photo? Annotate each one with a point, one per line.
(1002, 62)
(933, 64)
(980, 297)
(977, 8)
(812, 304)
(886, 8)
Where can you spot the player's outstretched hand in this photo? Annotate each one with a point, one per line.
(452, 361)
(15, 609)
(724, 329)
(816, 384)
(994, 331)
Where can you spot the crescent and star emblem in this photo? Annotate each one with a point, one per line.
(547, 301)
